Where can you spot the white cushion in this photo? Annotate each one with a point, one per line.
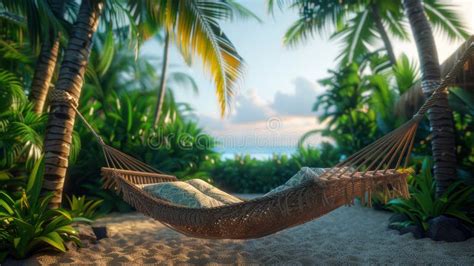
(194, 193)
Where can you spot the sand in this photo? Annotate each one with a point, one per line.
(348, 235)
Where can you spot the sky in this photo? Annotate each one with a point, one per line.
(273, 107)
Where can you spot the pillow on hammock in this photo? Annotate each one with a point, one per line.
(303, 175)
(212, 191)
(182, 193)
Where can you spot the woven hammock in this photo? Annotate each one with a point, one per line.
(373, 168)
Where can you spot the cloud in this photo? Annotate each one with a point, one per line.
(299, 103)
(251, 108)
(255, 122)
(281, 132)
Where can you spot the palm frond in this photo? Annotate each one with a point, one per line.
(280, 4)
(317, 17)
(195, 29)
(445, 19)
(397, 26)
(40, 19)
(300, 31)
(238, 11)
(406, 73)
(184, 80)
(356, 36)
(11, 92)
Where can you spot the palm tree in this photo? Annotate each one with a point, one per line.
(359, 24)
(162, 88)
(440, 115)
(43, 21)
(224, 62)
(61, 117)
(193, 24)
(46, 62)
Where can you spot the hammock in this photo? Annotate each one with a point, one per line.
(371, 169)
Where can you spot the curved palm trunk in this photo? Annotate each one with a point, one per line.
(383, 34)
(440, 115)
(46, 63)
(61, 117)
(162, 88)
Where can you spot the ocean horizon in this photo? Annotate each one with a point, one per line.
(259, 153)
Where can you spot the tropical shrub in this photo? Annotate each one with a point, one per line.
(245, 174)
(358, 101)
(124, 122)
(21, 135)
(21, 131)
(81, 207)
(27, 225)
(423, 204)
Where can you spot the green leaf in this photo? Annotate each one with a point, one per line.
(445, 19)
(82, 220)
(54, 240)
(35, 181)
(460, 215)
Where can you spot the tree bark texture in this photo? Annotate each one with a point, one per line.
(162, 88)
(61, 117)
(440, 115)
(46, 63)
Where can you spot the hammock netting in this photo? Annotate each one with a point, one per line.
(374, 168)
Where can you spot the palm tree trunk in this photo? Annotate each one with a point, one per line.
(61, 117)
(46, 63)
(440, 115)
(383, 34)
(162, 88)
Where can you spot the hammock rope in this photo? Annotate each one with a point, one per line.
(370, 169)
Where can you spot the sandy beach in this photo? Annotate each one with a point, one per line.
(349, 235)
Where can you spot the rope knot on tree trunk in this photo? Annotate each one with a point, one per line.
(430, 86)
(62, 96)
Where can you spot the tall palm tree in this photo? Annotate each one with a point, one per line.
(440, 115)
(359, 24)
(162, 87)
(61, 117)
(194, 26)
(42, 20)
(46, 62)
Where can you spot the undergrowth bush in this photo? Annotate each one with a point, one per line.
(245, 174)
(424, 205)
(27, 225)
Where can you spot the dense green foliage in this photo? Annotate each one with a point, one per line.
(359, 101)
(245, 174)
(27, 225)
(423, 204)
(354, 22)
(81, 207)
(21, 136)
(118, 101)
(120, 92)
